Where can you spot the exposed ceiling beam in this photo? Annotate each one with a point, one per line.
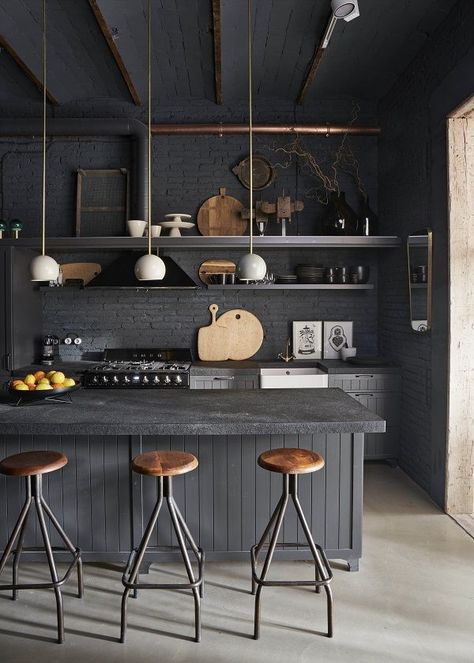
(216, 32)
(317, 57)
(104, 28)
(26, 70)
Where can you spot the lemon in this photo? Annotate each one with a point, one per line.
(29, 379)
(21, 386)
(50, 373)
(57, 377)
(43, 381)
(42, 386)
(69, 382)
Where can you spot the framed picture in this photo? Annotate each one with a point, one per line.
(307, 339)
(336, 336)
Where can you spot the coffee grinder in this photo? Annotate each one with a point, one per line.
(50, 349)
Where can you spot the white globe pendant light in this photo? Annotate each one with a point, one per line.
(149, 267)
(251, 267)
(43, 267)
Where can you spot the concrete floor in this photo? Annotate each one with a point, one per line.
(412, 600)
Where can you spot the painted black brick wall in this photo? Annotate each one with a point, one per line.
(412, 195)
(171, 318)
(187, 170)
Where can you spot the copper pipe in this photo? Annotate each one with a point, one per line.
(234, 129)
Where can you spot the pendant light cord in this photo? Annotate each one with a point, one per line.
(149, 127)
(43, 223)
(249, 10)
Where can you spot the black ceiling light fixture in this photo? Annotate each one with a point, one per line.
(348, 10)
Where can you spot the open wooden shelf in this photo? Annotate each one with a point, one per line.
(296, 286)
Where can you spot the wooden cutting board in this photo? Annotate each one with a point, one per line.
(244, 333)
(80, 270)
(213, 340)
(212, 267)
(221, 215)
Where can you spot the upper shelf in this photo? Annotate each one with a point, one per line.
(200, 242)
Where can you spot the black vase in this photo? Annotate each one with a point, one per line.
(340, 218)
(368, 221)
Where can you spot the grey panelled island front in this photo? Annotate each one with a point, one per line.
(227, 501)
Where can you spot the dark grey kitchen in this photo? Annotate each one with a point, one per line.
(236, 297)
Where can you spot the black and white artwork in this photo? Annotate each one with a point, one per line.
(337, 335)
(307, 339)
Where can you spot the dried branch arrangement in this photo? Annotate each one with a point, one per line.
(326, 174)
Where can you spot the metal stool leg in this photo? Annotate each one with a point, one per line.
(185, 556)
(323, 573)
(199, 553)
(72, 549)
(18, 526)
(37, 494)
(269, 555)
(263, 538)
(137, 560)
(19, 546)
(319, 565)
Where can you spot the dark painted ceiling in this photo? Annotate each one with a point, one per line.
(363, 59)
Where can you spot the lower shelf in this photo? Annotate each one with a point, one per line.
(296, 286)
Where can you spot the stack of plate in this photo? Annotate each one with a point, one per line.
(286, 278)
(310, 273)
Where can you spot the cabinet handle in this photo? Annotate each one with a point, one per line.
(364, 376)
(364, 394)
(224, 377)
(8, 362)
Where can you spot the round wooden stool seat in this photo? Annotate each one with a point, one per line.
(29, 463)
(164, 463)
(291, 461)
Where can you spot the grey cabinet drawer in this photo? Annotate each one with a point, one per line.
(387, 405)
(224, 382)
(355, 382)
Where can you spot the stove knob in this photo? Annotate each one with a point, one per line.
(95, 379)
(126, 379)
(145, 380)
(178, 379)
(115, 379)
(105, 379)
(156, 379)
(167, 379)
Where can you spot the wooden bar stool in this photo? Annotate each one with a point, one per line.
(32, 465)
(165, 465)
(290, 463)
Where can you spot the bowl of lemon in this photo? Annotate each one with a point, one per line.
(41, 385)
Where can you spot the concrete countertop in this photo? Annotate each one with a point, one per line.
(331, 366)
(248, 367)
(192, 412)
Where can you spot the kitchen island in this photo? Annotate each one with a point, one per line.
(228, 500)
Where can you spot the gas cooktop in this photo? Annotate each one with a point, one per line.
(138, 368)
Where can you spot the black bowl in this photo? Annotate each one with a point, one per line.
(42, 393)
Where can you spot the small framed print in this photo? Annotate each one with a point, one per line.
(307, 339)
(336, 336)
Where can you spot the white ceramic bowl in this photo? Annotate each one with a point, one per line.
(348, 352)
(136, 228)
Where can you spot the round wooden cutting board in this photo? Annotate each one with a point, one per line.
(221, 215)
(244, 333)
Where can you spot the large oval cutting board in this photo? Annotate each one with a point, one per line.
(213, 341)
(244, 333)
(221, 215)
